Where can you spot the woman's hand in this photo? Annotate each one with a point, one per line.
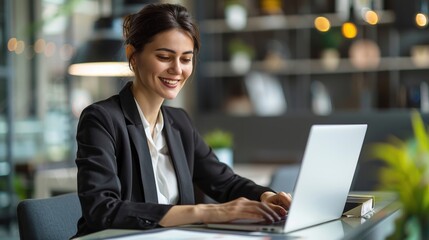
(239, 209)
(279, 202)
(271, 208)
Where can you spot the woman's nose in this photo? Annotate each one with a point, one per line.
(175, 67)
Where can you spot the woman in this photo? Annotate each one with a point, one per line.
(138, 160)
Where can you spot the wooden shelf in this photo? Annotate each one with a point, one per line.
(311, 66)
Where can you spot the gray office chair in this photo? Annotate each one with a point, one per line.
(284, 178)
(49, 218)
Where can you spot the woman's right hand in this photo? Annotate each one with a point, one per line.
(239, 209)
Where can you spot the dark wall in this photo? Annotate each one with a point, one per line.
(282, 139)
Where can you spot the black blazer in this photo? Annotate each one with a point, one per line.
(116, 184)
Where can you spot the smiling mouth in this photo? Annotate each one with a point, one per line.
(170, 82)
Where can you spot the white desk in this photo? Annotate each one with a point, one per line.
(378, 227)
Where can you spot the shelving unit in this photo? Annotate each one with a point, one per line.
(380, 95)
(383, 84)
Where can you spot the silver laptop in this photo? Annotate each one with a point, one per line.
(324, 180)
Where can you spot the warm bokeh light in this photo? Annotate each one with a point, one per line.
(50, 49)
(39, 46)
(20, 47)
(371, 17)
(421, 20)
(322, 24)
(12, 44)
(349, 30)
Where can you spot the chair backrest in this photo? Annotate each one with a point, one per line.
(49, 218)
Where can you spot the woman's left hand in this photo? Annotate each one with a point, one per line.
(279, 202)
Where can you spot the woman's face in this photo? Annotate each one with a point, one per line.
(165, 64)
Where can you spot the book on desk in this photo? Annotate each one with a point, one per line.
(358, 205)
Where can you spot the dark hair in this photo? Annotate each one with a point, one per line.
(140, 28)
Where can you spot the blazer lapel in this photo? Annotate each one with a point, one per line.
(138, 138)
(145, 161)
(175, 146)
(178, 158)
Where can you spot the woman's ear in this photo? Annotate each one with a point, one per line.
(129, 50)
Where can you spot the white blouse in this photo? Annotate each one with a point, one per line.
(165, 176)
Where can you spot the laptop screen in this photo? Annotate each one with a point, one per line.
(326, 174)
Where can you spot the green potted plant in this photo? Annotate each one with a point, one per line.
(407, 173)
(221, 142)
(241, 55)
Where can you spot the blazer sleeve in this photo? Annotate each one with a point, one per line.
(99, 186)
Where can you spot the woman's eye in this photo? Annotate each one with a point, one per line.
(186, 60)
(164, 58)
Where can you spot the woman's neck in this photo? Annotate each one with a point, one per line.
(149, 104)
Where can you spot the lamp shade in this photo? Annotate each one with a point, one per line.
(103, 55)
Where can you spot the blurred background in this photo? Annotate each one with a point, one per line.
(267, 71)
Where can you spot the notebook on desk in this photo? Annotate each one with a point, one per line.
(324, 180)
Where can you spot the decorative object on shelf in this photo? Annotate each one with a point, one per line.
(266, 94)
(239, 105)
(330, 58)
(364, 54)
(407, 174)
(271, 7)
(359, 8)
(346, 11)
(276, 56)
(237, 101)
(235, 15)
(330, 55)
(320, 99)
(221, 142)
(241, 56)
(420, 55)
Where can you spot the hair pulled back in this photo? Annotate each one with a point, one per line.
(140, 28)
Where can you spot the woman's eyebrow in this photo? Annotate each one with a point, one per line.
(172, 51)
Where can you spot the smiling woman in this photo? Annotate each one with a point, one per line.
(139, 160)
(162, 68)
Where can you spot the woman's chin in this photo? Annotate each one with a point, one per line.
(170, 97)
